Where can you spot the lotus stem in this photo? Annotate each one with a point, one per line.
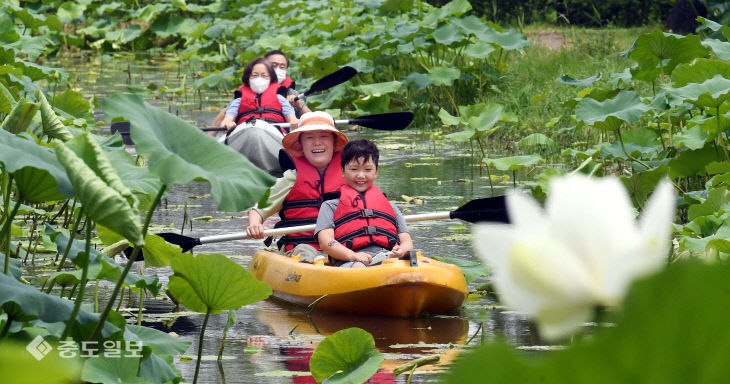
(71, 236)
(5, 236)
(135, 252)
(200, 346)
(618, 133)
(82, 283)
(413, 364)
(475, 333)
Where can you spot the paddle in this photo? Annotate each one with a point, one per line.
(392, 121)
(492, 209)
(335, 78)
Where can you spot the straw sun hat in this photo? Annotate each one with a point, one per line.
(312, 121)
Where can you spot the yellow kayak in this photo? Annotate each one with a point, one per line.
(393, 288)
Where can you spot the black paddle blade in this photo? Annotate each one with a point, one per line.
(185, 242)
(393, 121)
(335, 78)
(490, 209)
(123, 128)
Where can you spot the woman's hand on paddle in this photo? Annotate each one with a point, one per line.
(362, 257)
(255, 228)
(229, 123)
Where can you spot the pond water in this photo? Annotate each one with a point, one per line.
(270, 340)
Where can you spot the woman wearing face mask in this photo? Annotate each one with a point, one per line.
(259, 98)
(281, 65)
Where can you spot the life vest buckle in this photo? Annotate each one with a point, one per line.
(260, 110)
(367, 213)
(371, 230)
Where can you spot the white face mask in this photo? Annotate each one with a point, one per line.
(280, 74)
(259, 84)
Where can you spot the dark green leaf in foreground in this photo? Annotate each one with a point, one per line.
(346, 356)
(108, 370)
(105, 198)
(654, 340)
(38, 174)
(213, 282)
(52, 126)
(20, 367)
(20, 117)
(179, 153)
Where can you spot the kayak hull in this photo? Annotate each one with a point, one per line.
(391, 289)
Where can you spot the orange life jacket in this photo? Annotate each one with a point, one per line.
(365, 218)
(301, 205)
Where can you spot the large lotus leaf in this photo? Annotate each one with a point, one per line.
(652, 49)
(13, 267)
(470, 25)
(74, 104)
(512, 40)
(8, 34)
(642, 184)
(721, 48)
(446, 12)
(479, 50)
(124, 36)
(725, 30)
(379, 89)
(137, 178)
(68, 11)
(535, 140)
(213, 282)
(48, 308)
(20, 367)
(717, 200)
(6, 99)
(159, 342)
(37, 72)
(346, 356)
(447, 118)
(692, 138)
(711, 93)
(20, 117)
(419, 81)
(513, 163)
(102, 203)
(171, 24)
(34, 20)
(693, 162)
(179, 153)
(52, 125)
(462, 136)
(38, 174)
(472, 270)
(443, 75)
(157, 252)
(587, 82)
(699, 71)
(626, 107)
(109, 370)
(397, 5)
(487, 117)
(649, 340)
(448, 34)
(100, 265)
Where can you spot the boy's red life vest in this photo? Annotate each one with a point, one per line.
(365, 218)
(265, 106)
(301, 205)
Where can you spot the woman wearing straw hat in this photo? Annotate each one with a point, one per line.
(317, 176)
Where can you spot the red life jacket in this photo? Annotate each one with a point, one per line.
(301, 205)
(365, 218)
(265, 106)
(287, 83)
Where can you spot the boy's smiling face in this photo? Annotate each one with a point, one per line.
(360, 174)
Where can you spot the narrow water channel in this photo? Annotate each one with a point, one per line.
(271, 341)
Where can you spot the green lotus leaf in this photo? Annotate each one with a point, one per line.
(6, 99)
(38, 72)
(19, 366)
(448, 34)
(34, 20)
(38, 175)
(52, 126)
(725, 30)
(472, 270)
(447, 118)
(100, 193)
(692, 162)
(170, 24)
(512, 40)
(513, 163)
(419, 81)
(717, 200)
(721, 48)
(13, 268)
(156, 369)
(179, 153)
(535, 140)
(470, 25)
(462, 136)
(642, 184)
(20, 117)
(625, 107)
(137, 178)
(448, 11)
(369, 105)
(108, 370)
(124, 36)
(397, 6)
(479, 50)
(100, 265)
(346, 356)
(488, 115)
(49, 308)
(68, 11)
(587, 82)
(159, 342)
(666, 49)
(74, 104)
(649, 337)
(443, 75)
(213, 282)
(692, 138)
(711, 93)
(379, 89)
(8, 34)
(699, 71)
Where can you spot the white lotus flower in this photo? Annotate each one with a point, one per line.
(582, 250)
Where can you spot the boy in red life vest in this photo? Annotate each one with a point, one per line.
(362, 227)
(316, 176)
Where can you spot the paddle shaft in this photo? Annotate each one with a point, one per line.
(310, 227)
(284, 125)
